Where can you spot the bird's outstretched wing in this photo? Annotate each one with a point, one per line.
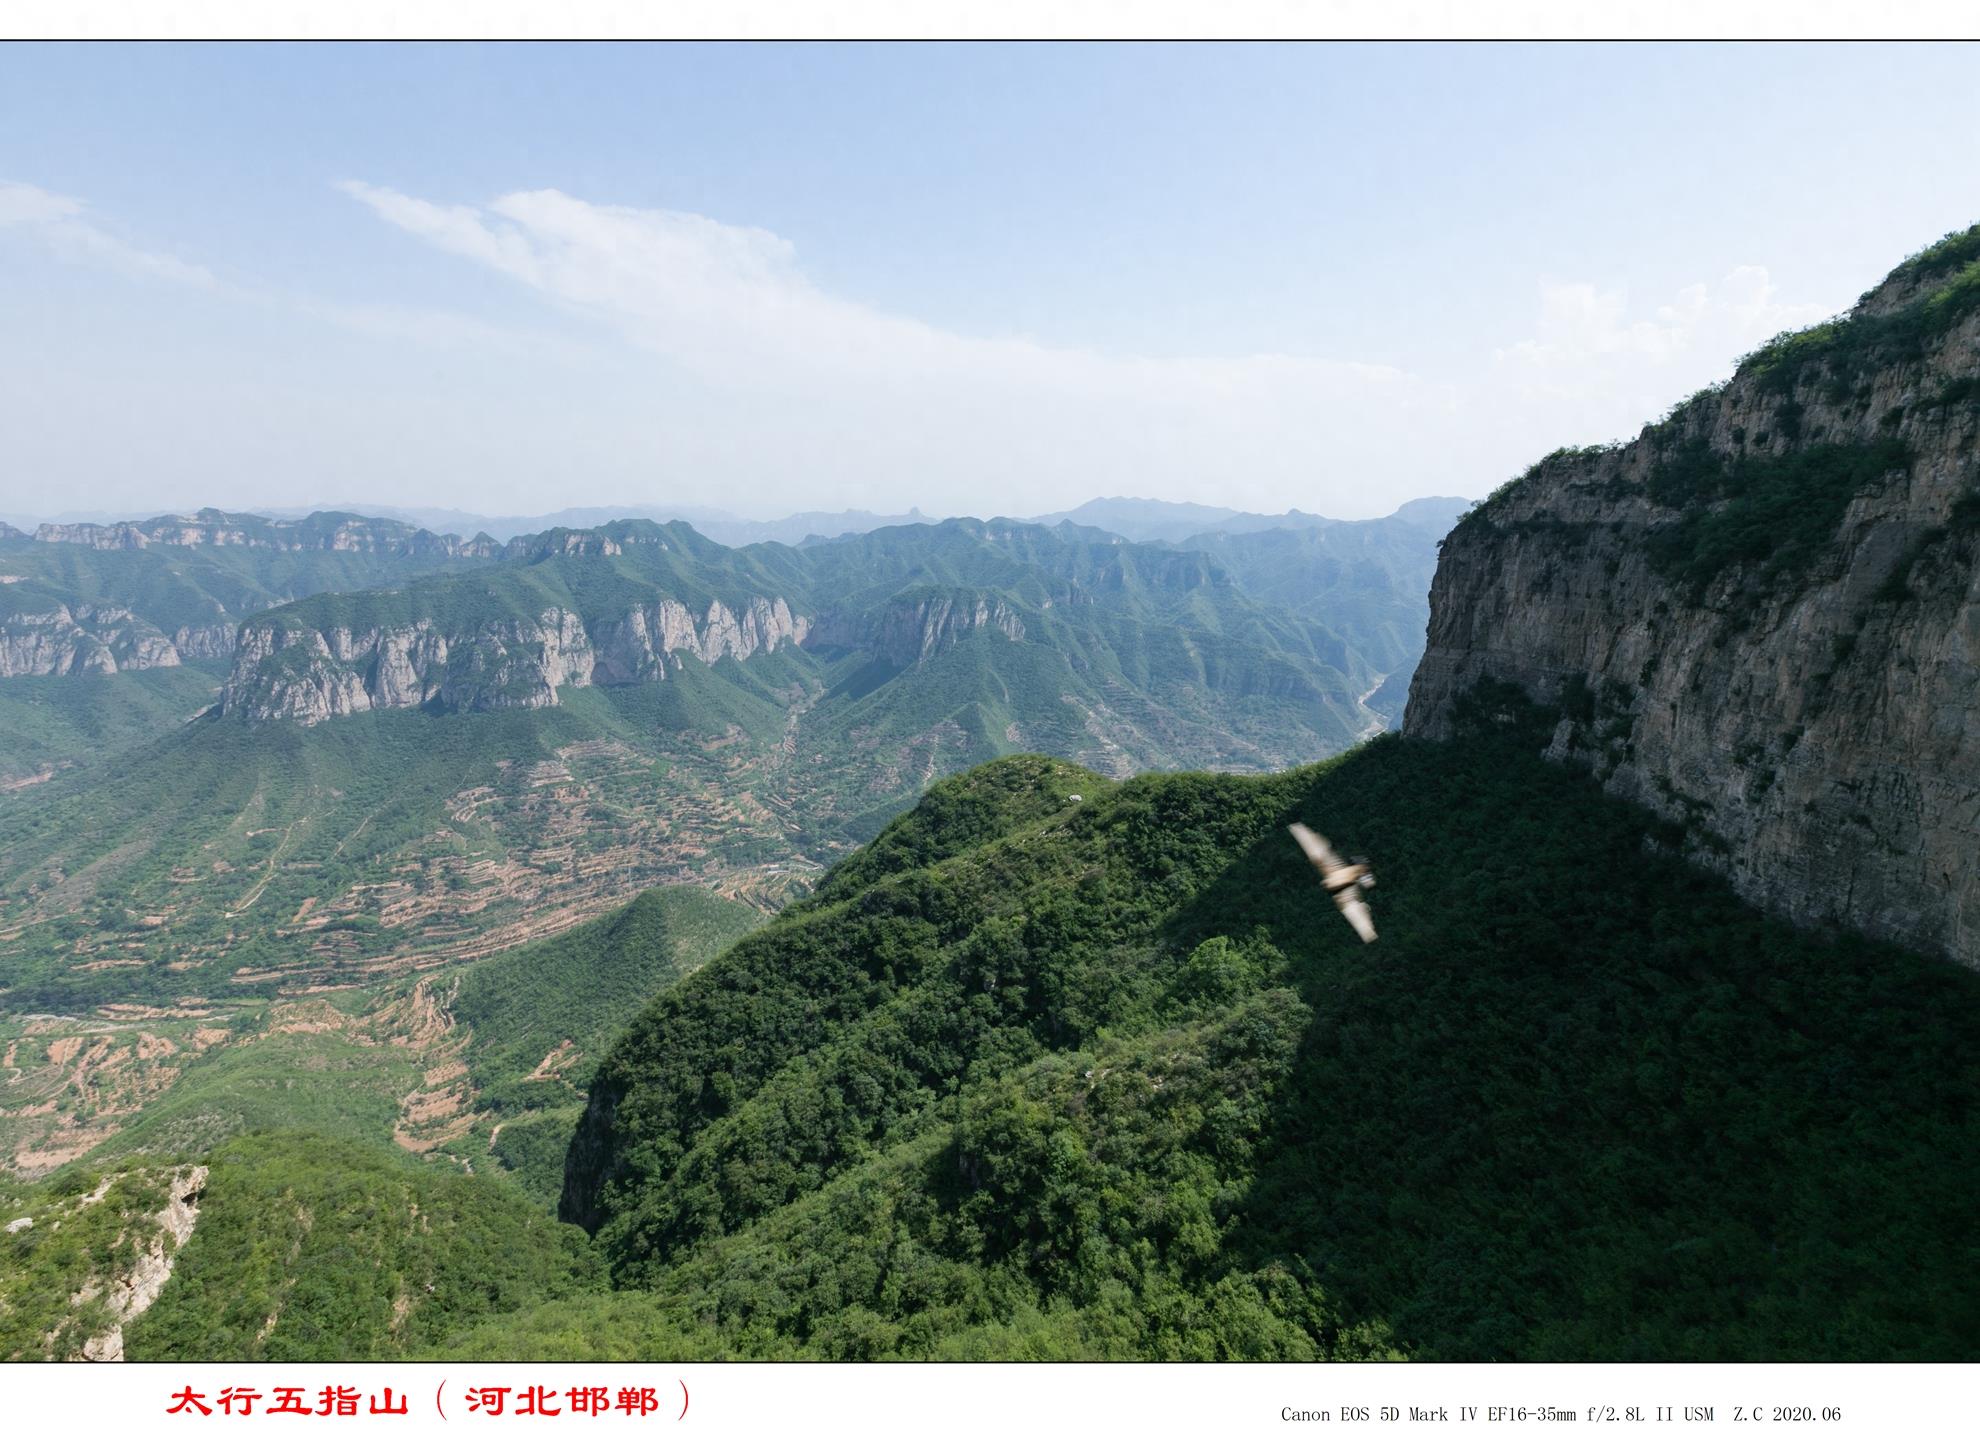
(1347, 895)
(1358, 915)
(1316, 848)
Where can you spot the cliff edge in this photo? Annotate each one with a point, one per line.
(1761, 617)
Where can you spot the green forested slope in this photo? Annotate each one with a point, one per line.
(51, 723)
(84, 1228)
(308, 1249)
(1113, 1079)
(226, 829)
(301, 1247)
(578, 987)
(542, 1015)
(1029, 1077)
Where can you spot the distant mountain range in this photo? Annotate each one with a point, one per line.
(1182, 521)
(719, 525)
(716, 524)
(102, 599)
(1131, 518)
(334, 705)
(412, 747)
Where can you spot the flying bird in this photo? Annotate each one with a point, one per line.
(1344, 883)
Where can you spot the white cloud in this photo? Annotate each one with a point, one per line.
(1598, 367)
(720, 373)
(31, 205)
(802, 396)
(59, 222)
(840, 389)
(1588, 346)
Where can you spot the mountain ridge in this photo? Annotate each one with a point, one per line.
(626, 602)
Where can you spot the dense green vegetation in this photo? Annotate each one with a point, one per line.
(85, 1227)
(51, 723)
(578, 987)
(1118, 1082)
(1940, 286)
(314, 1250)
(1773, 513)
(308, 1245)
(541, 1015)
(1036, 1078)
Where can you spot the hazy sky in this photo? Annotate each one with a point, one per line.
(974, 279)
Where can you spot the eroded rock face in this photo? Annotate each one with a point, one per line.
(913, 629)
(1810, 708)
(130, 1296)
(204, 643)
(81, 641)
(308, 675)
(67, 638)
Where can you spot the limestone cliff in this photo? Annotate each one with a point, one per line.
(287, 667)
(211, 642)
(97, 599)
(1761, 618)
(80, 641)
(916, 626)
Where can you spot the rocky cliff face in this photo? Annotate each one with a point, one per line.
(111, 615)
(1761, 618)
(562, 542)
(82, 641)
(913, 628)
(287, 669)
(204, 643)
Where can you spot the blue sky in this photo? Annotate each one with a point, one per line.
(973, 278)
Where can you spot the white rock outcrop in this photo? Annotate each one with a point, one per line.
(295, 672)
